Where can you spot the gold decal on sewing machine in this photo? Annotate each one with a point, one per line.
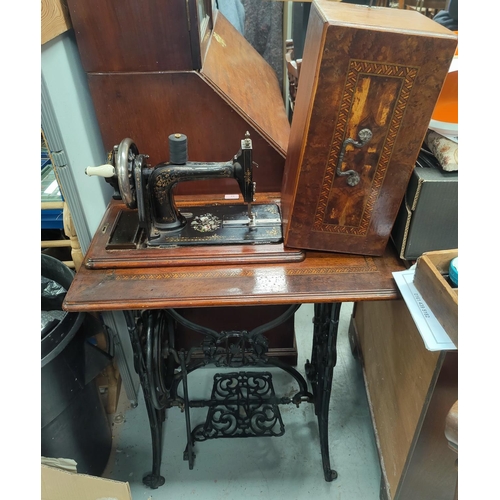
(206, 223)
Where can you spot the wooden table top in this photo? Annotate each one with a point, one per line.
(320, 277)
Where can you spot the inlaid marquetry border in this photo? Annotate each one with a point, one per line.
(367, 266)
(357, 68)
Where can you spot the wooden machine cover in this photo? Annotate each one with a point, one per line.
(372, 68)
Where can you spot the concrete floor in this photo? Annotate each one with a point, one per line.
(269, 467)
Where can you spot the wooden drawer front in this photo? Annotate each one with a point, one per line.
(362, 69)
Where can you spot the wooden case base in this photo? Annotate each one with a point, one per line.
(98, 257)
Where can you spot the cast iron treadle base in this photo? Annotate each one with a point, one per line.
(243, 404)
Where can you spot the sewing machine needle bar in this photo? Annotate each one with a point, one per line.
(253, 221)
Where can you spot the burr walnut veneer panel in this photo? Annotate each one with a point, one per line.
(379, 69)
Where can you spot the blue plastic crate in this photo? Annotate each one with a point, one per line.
(52, 219)
(50, 192)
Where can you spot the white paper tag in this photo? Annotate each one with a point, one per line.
(433, 334)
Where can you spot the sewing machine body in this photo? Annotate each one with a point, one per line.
(155, 221)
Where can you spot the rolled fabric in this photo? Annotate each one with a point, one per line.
(445, 150)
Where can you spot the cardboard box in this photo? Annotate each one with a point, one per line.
(428, 216)
(439, 295)
(57, 484)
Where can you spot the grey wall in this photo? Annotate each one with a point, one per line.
(67, 90)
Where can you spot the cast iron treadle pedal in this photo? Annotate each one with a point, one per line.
(243, 404)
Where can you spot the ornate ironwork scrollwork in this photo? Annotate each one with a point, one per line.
(242, 404)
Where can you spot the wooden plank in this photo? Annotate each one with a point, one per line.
(227, 70)
(55, 19)
(431, 471)
(399, 374)
(131, 35)
(55, 243)
(52, 205)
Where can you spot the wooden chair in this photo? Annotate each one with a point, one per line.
(69, 231)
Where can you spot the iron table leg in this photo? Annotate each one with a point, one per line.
(320, 373)
(155, 416)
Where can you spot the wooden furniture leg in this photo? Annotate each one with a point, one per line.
(451, 433)
(70, 232)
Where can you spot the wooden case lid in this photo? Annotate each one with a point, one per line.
(245, 80)
(379, 18)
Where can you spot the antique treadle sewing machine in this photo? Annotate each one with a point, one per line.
(389, 68)
(242, 403)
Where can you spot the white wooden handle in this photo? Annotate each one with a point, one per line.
(105, 170)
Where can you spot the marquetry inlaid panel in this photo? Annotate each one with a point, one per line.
(370, 78)
(366, 81)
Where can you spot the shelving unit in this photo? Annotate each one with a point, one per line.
(55, 214)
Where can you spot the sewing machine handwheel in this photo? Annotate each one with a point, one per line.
(127, 150)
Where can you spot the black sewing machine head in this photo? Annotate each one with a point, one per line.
(148, 191)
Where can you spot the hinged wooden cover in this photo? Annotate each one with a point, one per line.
(235, 91)
(379, 69)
